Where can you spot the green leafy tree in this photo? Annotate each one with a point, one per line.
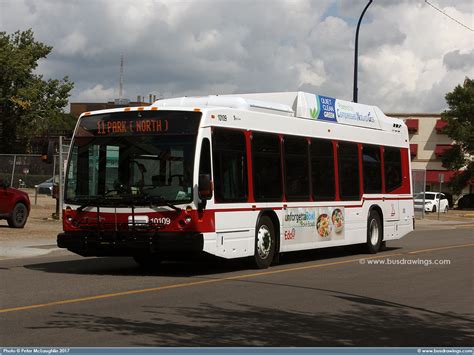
(29, 105)
(460, 127)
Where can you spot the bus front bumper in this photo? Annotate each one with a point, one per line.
(104, 243)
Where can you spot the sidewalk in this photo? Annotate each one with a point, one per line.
(452, 219)
(442, 224)
(38, 237)
(13, 249)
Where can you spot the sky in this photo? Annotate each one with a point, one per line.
(410, 55)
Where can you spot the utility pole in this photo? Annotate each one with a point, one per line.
(356, 52)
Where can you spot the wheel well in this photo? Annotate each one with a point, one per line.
(276, 224)
(377, 209)
(27, 205)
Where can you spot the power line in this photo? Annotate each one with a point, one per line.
(445, 14)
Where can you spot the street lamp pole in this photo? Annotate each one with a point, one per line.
(356, 52)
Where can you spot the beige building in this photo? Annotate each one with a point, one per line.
(77, 108)
(427, 145)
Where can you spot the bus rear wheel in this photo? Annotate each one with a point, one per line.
(374, 232)
(148, 261)
(265, 243)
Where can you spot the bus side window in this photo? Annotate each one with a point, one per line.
(322, 170)
(230, 165)
(266, 166)
(296, 168)
(393, 168)
(348, 157)
(372, 167)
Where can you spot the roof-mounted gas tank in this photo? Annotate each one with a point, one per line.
(298, 104)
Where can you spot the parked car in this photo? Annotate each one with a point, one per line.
(46, 187)
(433, 201)
(466, 201)
(14, 205)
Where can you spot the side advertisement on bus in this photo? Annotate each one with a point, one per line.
(309, 225)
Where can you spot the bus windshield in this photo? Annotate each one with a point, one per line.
(126, 166)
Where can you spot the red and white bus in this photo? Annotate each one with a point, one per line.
(251, 175)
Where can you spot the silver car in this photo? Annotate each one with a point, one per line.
(46, 187)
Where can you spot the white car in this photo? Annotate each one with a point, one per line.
(432, 201)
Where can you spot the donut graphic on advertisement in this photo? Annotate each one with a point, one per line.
(323, 225)
(337, 219)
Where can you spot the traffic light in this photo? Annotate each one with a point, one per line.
(47, 151)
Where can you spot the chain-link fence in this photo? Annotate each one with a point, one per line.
(419, 187)
(26, 170)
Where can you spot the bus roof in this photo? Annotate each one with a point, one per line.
(295, 104)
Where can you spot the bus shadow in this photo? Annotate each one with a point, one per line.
(191, 267)
(362, 322)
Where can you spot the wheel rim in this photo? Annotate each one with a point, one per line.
(374, 232)
(20, 215)
(264, 242)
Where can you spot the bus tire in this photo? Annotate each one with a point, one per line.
(265, 243)
(19, 216)
(374, 232)
(148, 261)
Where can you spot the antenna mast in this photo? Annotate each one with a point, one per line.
(121, 77)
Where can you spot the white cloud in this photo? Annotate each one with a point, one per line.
(96, 94)
(311, 73)
(410, 54)
(73, 44)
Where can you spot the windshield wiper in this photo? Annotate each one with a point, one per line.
(129, 199)
(91, 202)
(161, 200)
(94, 201)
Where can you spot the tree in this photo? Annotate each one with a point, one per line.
(29, 105)
(460, 127)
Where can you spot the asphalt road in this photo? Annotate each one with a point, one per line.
(322, 298)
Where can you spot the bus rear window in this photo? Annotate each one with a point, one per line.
(372, 168)
(393, 168)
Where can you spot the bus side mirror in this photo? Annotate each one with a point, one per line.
(205, 187)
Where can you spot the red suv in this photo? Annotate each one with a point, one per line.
(14, 205)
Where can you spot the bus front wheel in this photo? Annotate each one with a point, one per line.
(374, 232)
(265, 243)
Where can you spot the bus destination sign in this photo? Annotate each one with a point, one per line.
(139, 123)
(131, 127)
